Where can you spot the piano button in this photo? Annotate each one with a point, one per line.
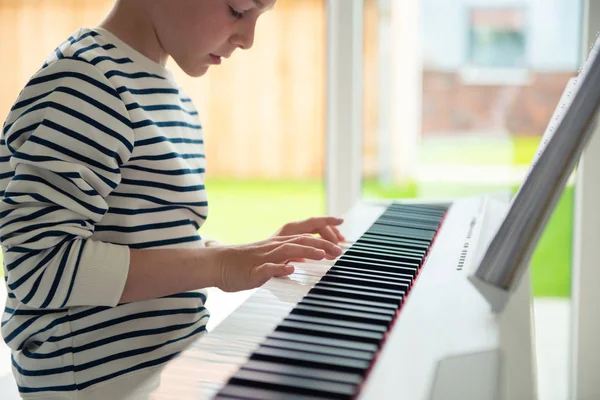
(337, 322)
(309, 359)
(294, 385)
(385, 307)
(408, 270)
(327, 312)
(232, 391)
(332, 342)
(330, 331)
(294, 370)
(319, 349)
(331, 305)
(375, 283)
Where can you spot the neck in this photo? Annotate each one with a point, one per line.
(130, 23)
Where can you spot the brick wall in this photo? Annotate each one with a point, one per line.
(449, 105)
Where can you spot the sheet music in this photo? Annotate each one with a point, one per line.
(563, 142)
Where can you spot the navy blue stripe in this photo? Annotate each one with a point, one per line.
(95, 103)
(138, 211)
(27, 102)
(116, 321)
(84, 139)
(17, 313)
(70, 74)
(160, 107)
(44, 225)
(141, 228)
(80, 38)
(75, 270)
(19, 261)
(67, 152)
(8, 338)
(32, 216)
(165, 242)
(41, 372)
(16, 134)
(143, 365)
(112, 339)
(8, 174)
(58, 53)
(35, 196)
(186, 100)
(167, 156)
(135, 75)
(16, 284)
(59, 274)
(164, 124)
(33, 178)
(62, 388)
(123, 89)
(11, 295)
(161, 139)
(99, 59)
(184, 171)
(92, 47)
(186, 295)
(159, 185)
(158, 200)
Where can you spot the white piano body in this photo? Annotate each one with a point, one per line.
(446, 343)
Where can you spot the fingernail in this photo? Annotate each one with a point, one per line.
(288, 269)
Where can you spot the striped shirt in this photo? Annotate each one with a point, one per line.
(101, 152)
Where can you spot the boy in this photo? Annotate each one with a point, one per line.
(102, 182)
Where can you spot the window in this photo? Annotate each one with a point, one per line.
(497, 38)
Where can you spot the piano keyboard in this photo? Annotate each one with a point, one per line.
(327, 343)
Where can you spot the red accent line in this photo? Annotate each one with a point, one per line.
(387, 333)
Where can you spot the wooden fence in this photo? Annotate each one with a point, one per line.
(263, 110)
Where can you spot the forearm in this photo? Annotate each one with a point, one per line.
(158, 273)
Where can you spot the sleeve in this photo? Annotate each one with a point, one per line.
(65, 139)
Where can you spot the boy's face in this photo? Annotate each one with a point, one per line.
(197, 33)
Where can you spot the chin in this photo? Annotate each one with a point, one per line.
(196, 71)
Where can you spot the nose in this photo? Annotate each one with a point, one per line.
(244, 38)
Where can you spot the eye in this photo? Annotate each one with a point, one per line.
(236, 13)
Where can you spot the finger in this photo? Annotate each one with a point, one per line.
(328, 234)
(289, 251)
(315, 224)
(269, 270)
(330, 247)
(337, 232)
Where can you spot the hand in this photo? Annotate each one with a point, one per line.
(250, 266)
(324, 226)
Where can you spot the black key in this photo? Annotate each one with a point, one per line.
(330, 331)
(417, 259)
(363, 259)
(365, 288)
(293, 370)
(385, 251)
(342, 344)
(384, 307)
(403, 233)
(368, 238)
(408, 270)
(309, 360)
(336, 322)
(330, 290)
(336, 306)
(318, 349)
(293, 384)
(231, 391)
(327, 312)
(378, 283)
(370, 273)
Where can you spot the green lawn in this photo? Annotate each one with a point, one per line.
(252, 210)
